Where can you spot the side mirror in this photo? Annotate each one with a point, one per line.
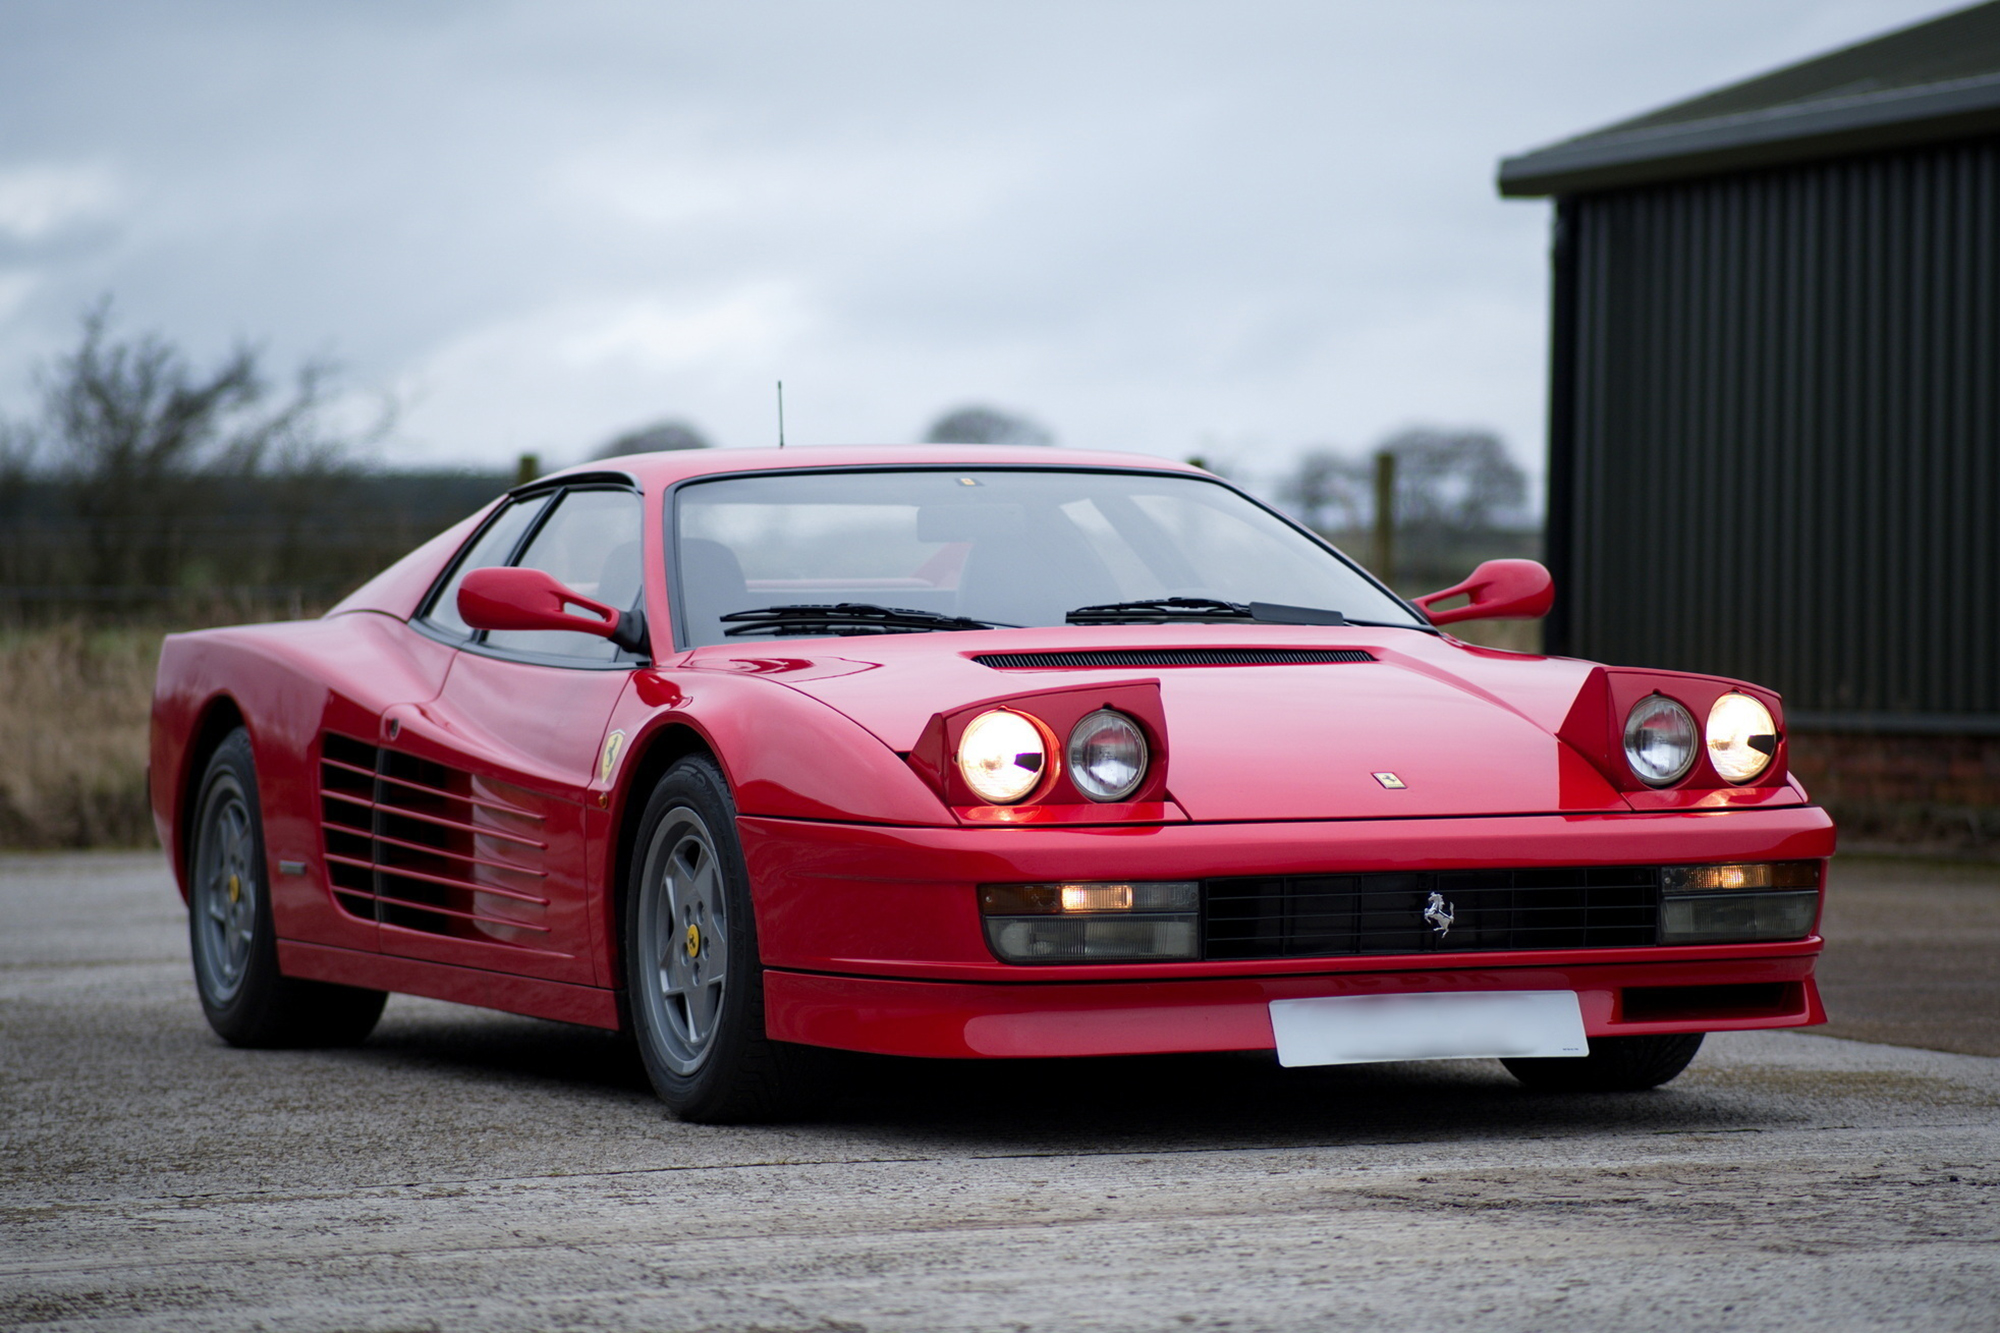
(1500, 590)
(511, 598)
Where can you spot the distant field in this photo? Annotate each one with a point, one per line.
(73, 711)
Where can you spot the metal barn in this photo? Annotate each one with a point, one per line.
(1774, 429)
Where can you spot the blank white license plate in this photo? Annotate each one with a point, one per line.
(1441, 1025)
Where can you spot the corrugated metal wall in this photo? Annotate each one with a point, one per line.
(1775, 451)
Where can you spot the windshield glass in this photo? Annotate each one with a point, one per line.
(1007, 547)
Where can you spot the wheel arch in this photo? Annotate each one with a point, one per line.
(659, 749)
(219, 716)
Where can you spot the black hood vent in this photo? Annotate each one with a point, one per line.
(1171, 657)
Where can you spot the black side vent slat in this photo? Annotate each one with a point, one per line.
(413, 843)
(1171, 657)
(1321, 916)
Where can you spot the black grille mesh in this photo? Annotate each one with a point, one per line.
(1172, 657)
(1317, 916)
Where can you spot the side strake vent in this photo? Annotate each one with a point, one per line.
(416, 844)
(1171, 657)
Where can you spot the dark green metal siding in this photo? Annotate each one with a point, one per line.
(1775, 451)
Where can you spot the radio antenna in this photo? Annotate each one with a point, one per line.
(781, 414)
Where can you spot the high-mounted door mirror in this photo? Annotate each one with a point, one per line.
(1499, 590)
(531, 599)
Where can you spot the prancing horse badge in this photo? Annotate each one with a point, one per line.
(1438, 912)
(607, 762)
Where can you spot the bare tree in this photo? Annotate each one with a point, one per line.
(1329, 491)
(1459, 480)
(987, 425)
(1459, 499)
(139, 438)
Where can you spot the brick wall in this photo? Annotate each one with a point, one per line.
(1937, 795)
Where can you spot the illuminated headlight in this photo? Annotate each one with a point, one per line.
(1742, 738)
(1091, 923)
(1739, 904)
(1107, 756)
(1001, 756)
(1659, 740)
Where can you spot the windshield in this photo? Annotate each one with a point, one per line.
(1003, 547)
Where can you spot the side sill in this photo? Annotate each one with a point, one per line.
(588, 1006)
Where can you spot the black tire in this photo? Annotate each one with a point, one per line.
(1615, 1064)
(230, 933)
(694, 980)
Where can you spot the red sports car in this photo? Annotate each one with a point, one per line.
(970, 752)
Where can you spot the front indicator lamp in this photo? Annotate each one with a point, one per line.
(1134, 921)
(1659, 740)
(1002, 755)
(1742, 738)
(1107, 756)
(1739, 904)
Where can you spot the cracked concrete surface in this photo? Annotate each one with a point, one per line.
(472, 1170)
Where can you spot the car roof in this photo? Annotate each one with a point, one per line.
(656, 471)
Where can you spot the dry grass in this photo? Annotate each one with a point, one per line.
(74, 704)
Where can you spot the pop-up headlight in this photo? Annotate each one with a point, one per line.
(1092, 923)
(1742, 738)
(1107, 756)
(1002, 756)
(1739, 904)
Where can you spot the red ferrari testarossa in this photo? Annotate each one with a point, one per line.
(970, 752)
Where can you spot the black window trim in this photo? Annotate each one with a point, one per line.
(552, 491)
(670, 520)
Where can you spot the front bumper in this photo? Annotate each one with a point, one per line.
(969, 1020)
(872, 940)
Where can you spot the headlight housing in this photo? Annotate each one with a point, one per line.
(1742, 738)
(1003, 756)
(1107, 756)
(1660, 740)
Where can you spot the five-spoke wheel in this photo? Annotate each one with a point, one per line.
(692, 975)
(231, 931)
(224, 888)
(684, 930)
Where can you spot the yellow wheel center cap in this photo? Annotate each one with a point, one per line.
(693, 939)
(235, 888)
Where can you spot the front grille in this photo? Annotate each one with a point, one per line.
(417, 844)
(1319, 916)
(1171, 657)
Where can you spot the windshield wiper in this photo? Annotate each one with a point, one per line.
(846, 618)
(1174, 610)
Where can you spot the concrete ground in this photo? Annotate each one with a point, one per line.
(1913, 957)
(469, 1170)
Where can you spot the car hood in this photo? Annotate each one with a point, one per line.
(1463, 730)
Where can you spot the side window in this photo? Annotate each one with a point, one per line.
(591, 545)
(491, 547)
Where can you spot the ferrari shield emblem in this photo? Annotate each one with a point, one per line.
(607, 763)
(1390, 780)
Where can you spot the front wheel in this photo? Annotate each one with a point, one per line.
(1615, 1064)
(230, 932)
(693, 979)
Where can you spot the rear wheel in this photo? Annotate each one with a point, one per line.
(692, 974)
(1615, 1064)
(230, 932)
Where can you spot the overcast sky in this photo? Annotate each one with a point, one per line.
(1237, 229)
